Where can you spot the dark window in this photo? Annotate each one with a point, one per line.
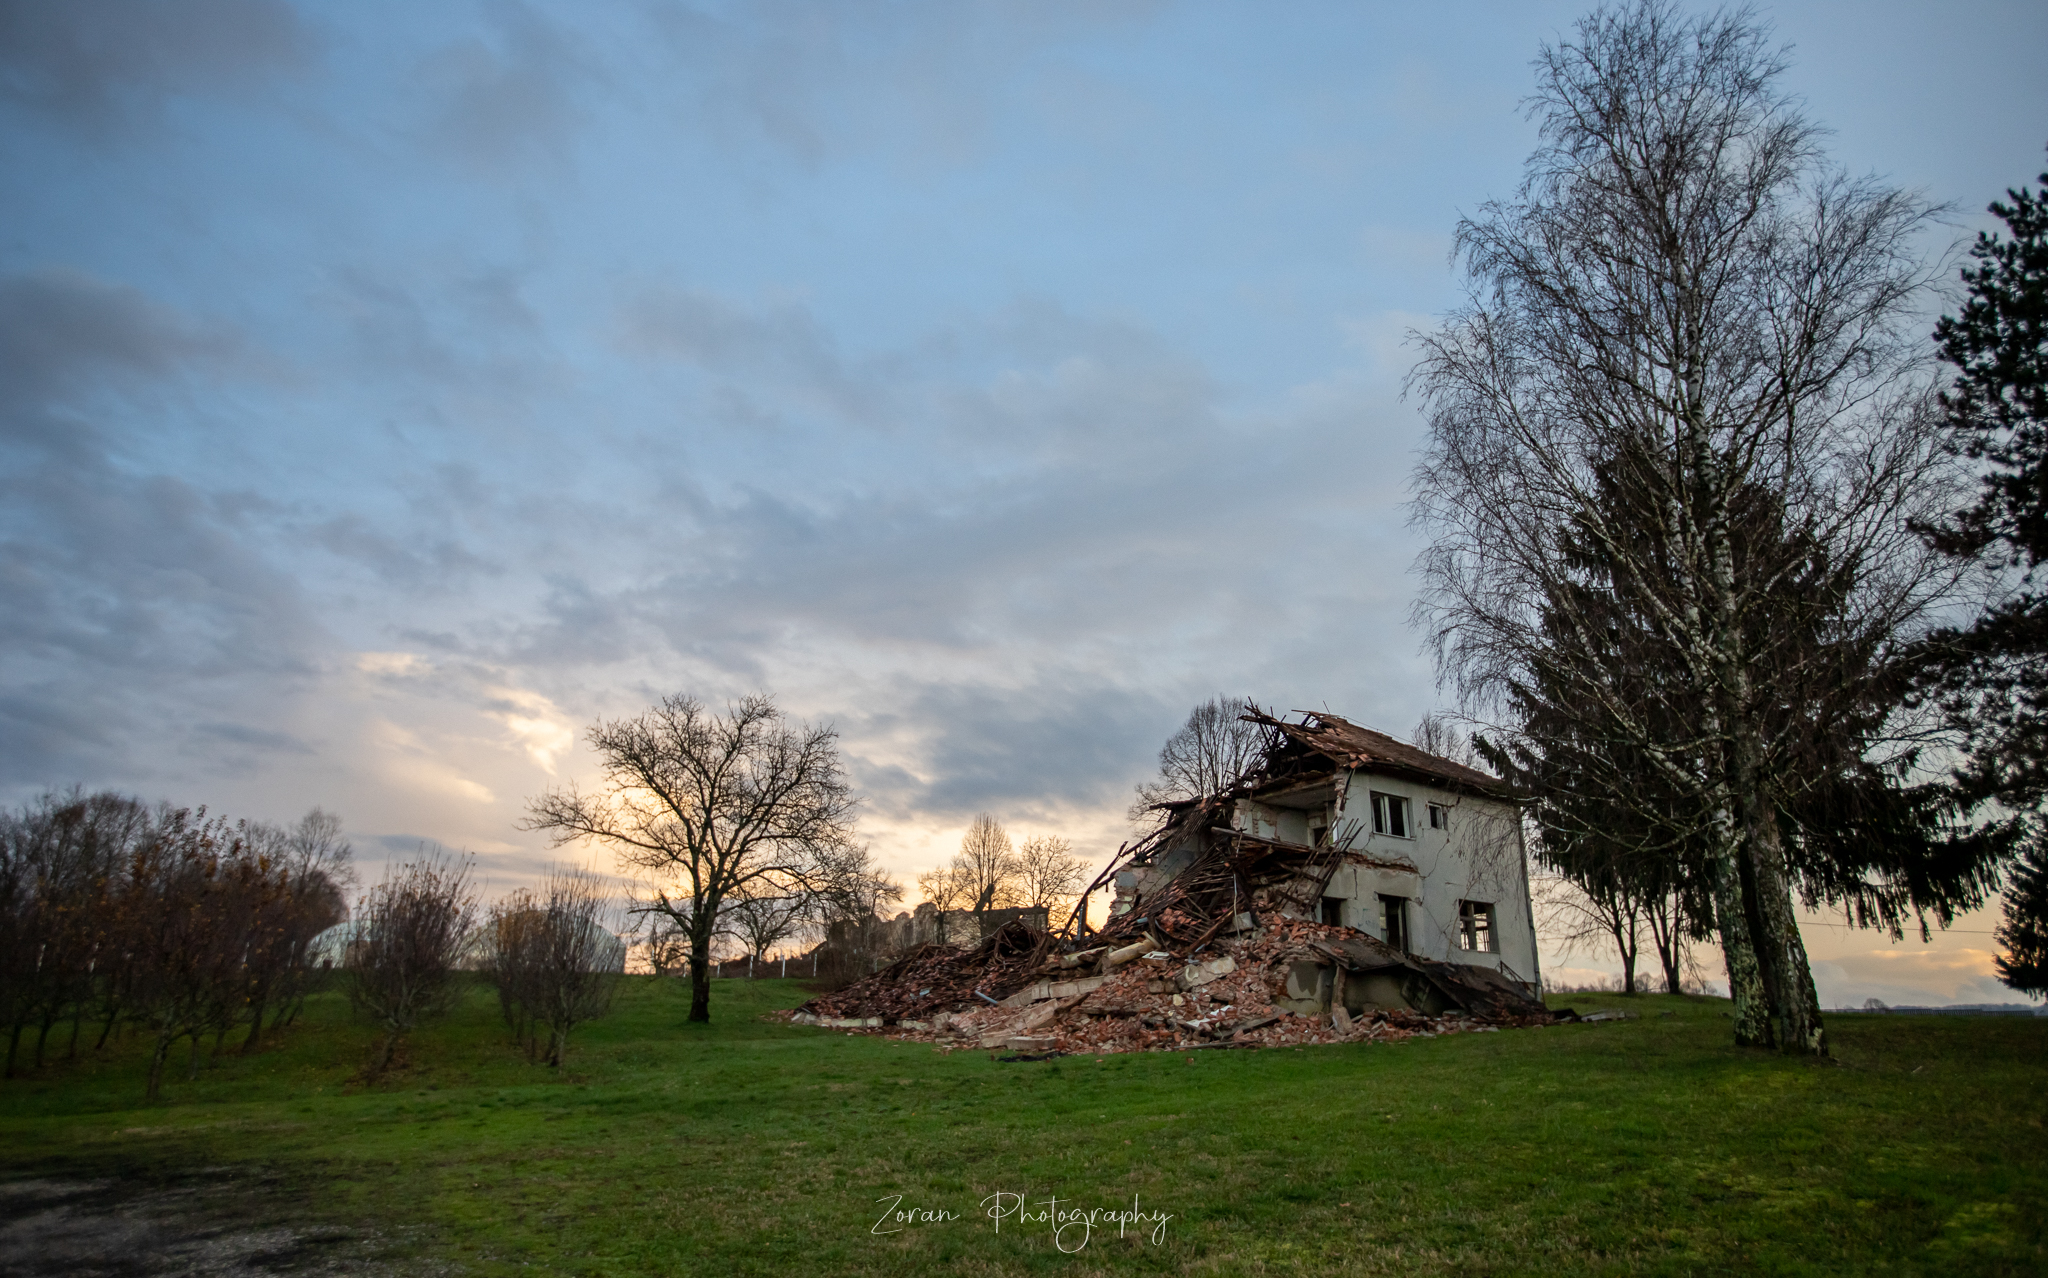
(1394, 921)
(1475, 926)
(1389, 814)
(1439, 817)
(1333, 911)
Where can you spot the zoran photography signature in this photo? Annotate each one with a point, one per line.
(1071, 1226)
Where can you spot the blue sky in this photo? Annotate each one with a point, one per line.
(386, 390)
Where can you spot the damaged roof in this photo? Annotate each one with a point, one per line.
(1348, 745)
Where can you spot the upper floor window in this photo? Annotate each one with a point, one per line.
(1475, 927)
(1390, 815)
(1439, 817)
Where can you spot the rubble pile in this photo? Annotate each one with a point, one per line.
(936, 978)
(1277, 985)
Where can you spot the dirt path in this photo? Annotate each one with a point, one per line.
(220, 1224)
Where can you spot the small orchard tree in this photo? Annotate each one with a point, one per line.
(188, 892)
(60, 858)
(314, 862)
(705, 806)
(554, 958)
(400, 967)
(512, 959)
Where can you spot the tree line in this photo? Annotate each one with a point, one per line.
(120, 918)
(174, 924)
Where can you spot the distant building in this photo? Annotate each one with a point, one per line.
(928, 925)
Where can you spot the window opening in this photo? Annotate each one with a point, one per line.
(1394, 921)
(1333, 911)
(1475, 926)
(1389, 814)
(1439, 817)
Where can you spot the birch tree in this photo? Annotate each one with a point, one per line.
(1688, 344)
(705, 806)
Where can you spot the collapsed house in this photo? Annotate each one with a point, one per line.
(1347, 886)
(1348, 827)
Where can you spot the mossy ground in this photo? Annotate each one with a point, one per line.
(753, 1147)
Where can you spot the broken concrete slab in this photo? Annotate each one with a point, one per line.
(1195, 975)
(1043, 990)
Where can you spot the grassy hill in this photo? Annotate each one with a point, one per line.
(751, 1147)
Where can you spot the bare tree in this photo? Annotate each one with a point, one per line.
(847, 884)
(1688, 345)
(1440, 736)
(323, 873)
(987, 863)
(708, 805)
(1049, 874)
(400, 967)
(946, 887)
(1575, 919)
(1208, 755)
(761, 917)
(664, 943)
(983, 875)
(848, 897)
(511, 959)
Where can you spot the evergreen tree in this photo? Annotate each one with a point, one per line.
(2025, 933)
(1994, 676)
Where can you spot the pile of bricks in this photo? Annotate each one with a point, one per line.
(1222, 996)
(934, 979)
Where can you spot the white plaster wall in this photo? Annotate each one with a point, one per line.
(1479, 858)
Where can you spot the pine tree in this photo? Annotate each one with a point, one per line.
(1994, 676)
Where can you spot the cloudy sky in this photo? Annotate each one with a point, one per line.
(389, 390)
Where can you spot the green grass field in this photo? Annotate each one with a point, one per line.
(750, 1147)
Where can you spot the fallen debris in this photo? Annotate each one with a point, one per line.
(935, 979)
(1286, 983)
